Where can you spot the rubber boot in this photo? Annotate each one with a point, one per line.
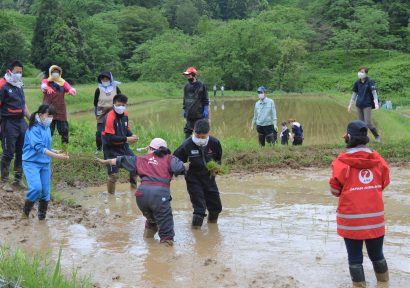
(357, 275)
(28, 205)
(150, 230)
(197, 221)
(376, 135)
(381, 270)
(167, 241)
(42, 209)
(18, 179)
(5, 178)
(112, 179)
(133, 183)
(213, 217)
(261, 139)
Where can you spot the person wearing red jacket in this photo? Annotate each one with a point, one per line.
(359, 177)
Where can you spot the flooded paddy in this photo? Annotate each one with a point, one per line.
(276, 230)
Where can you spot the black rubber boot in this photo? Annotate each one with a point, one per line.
(28, 205)
(357, 275)
(18, 179)
(197, 221)
(42, 209)
(381, 270)
(213, 217)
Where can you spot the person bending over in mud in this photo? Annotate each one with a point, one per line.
(359, 177)
(153, 195)
(36, 160)
(200, 181)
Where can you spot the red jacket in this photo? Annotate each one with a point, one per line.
(359, 177)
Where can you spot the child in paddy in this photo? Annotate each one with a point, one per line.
(284, 135)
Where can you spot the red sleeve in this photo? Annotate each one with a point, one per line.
(109, 124)
(66, 86)
(337, 179)
(385, 173)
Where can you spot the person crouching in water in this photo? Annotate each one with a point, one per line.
(36, 160)
(297, 132)
(203, 191)
(153, 195)
(115, 137)
(284, 134)
(359, 177)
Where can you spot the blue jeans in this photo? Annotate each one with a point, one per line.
(38, 180)
(355, 253)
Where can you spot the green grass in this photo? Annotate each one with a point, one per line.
(19, 270)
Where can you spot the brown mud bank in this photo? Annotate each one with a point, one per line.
(277, 229)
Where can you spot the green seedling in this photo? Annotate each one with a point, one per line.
(216, 168)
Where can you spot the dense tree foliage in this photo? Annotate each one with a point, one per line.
(241, 43)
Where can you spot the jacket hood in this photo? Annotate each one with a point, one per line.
(361, 158)
(105, 74)
(55, 67)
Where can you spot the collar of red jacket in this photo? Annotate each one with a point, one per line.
(361, 158)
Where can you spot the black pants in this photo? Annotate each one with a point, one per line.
(111, 151)
(13, 132)
(62, 128)
(266, 133)
(355, 249)
(98, 140)
(204, 193)
(297, 141)
(155, 205)
(189, 127)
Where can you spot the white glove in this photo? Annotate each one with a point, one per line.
(376, 104)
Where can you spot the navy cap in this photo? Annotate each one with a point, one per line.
(261, 89)
(357, 128)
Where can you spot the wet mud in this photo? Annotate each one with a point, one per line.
(277, 230)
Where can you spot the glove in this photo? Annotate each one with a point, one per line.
(184, 114)
(206, 113)
(72, 92)
(349, 108)
(376, 104)
(275, 126)
(49, 90)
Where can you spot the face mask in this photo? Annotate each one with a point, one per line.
(361, 75)
(200, 141)
(105, 83)
(45, 122)
(16, 76)
(55, 75)
(119, 109)
(261, 96)
(191, 80)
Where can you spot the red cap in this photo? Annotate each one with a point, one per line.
(190, 70)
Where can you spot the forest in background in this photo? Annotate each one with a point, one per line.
(287, 45)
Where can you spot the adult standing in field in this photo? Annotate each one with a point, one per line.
(196, 101)
(13, 109)
(264, 117)
(359, 177)
(103, 98)
(215, 89)
(54, 89)
(222, 90)
(365, 96)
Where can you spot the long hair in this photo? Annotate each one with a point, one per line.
(162, 151)
(45, 108)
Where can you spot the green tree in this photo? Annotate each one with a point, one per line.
(186, 17)
(12, 45)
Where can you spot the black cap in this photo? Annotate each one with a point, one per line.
(357, 128)
(104, 74)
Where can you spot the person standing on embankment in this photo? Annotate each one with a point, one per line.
(365, 96)
(359, 177)
(196, 101)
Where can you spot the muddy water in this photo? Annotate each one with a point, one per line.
(275, 231)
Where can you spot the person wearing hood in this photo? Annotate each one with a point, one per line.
(54, 88)
(198, 150)
(196, 101)
(358, 179)
(116, 138)
(153, 195)
(264, 117)
(103, 96)
(297, 132)
(37, 152)
(366, 99)
(13, 109)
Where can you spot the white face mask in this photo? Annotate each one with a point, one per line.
(45, 122)
(361, 75)
(16, 76)
(105, 83)
(119, 109)
(261, 96)
(200, 141)
(55, 75)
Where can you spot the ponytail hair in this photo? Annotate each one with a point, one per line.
(44, 108)
(162, 151)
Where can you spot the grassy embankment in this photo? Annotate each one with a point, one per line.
(19, 270)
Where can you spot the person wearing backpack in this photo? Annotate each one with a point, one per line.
(366, 99)
(196, 101)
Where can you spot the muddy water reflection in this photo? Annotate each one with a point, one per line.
(275, 231)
